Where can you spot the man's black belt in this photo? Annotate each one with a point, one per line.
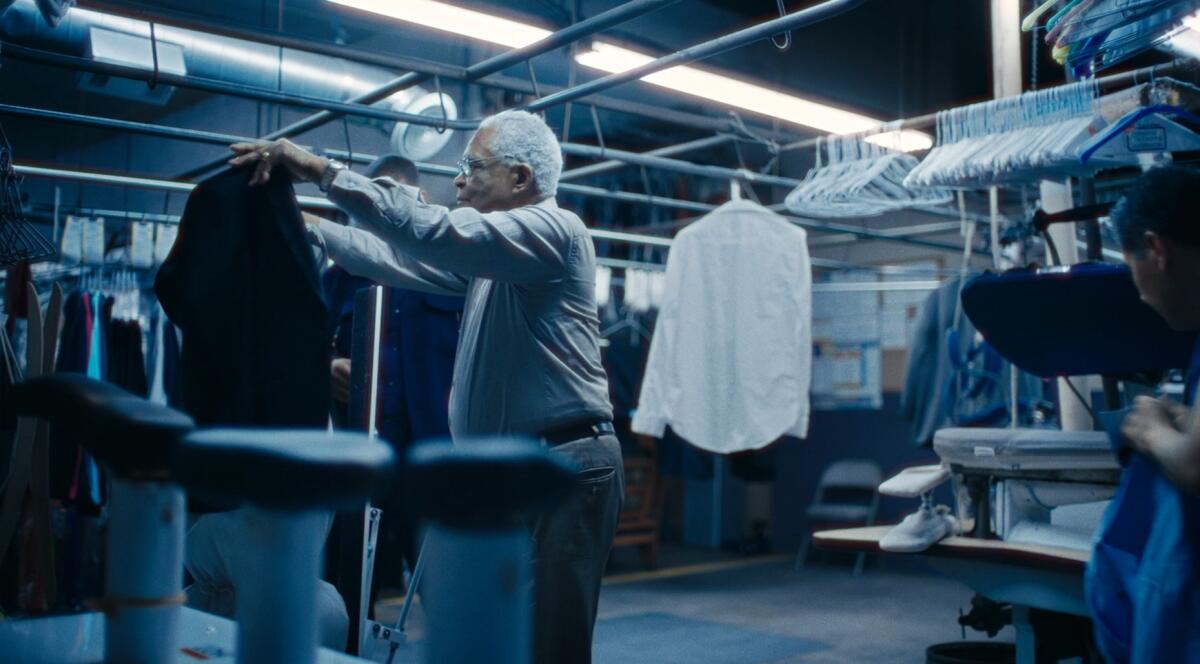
(577, 431)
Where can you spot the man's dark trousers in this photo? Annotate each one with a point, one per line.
(571, 543)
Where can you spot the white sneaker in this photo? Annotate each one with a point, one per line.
(920, 530)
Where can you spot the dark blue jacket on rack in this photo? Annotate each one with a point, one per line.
(416, 362)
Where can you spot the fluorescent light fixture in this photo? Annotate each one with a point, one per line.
(751, 97)
(448, 18)
(904, 140)
(1185, 40)
(611, 58)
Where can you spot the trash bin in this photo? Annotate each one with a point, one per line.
(971, 652)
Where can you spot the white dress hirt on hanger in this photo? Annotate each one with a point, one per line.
(730, 363)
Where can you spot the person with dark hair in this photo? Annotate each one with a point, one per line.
(1158, 223)
(1143, 578)
(416, 363)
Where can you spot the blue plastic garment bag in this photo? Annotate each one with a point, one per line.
(1143, 581)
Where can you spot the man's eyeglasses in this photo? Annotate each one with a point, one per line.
(467, 165)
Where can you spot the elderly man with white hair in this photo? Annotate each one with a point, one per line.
(528, 359)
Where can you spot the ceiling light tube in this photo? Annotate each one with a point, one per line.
(611, 58)
(457, 20)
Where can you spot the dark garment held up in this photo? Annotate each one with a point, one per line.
(242, 285)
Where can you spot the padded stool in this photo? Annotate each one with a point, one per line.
(287, 479)
(476, 494)
(134, 439)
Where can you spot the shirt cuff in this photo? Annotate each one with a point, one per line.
(371, 203)
(648, 425)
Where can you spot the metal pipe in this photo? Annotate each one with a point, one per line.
(657, 112)
(567, 35)
(679, 166)
(222, 87)
(799, 19)
(876, 286)
(311, 201)
(670, 150)
(492, 65)
(827, 226)
(263, 94)
(905, 231)
(180, 133)
(351, 108)
(226, 139)
(322, 203)
(585, 190)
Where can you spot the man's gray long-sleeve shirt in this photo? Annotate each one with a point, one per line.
(528, 353)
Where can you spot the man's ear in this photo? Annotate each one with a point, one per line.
(522, 178)
(1157, 249)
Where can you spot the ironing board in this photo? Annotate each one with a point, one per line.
(1073, 321)
(1019, 450)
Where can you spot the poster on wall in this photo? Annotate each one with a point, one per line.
(847, 338)
(900, 309)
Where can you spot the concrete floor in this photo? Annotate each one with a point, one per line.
(885, 615)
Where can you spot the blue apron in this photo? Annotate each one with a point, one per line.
(1143, 580)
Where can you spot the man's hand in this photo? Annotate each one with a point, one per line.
(311, 219)
(304, 166)
(1151, 428)
(339, 371)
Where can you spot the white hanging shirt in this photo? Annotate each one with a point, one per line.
(731, 360)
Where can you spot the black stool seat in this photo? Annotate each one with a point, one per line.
(286, 469)
(484, 483)
(127, 434)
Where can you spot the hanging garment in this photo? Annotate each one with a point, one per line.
(127, 365)
(242, 285)
(416, 361)
(1143, 580)
(731, 358)
(158, 393)
(955, 379)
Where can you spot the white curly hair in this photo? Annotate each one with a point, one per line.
(527, 139)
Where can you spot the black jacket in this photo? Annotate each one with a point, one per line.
(242, 285)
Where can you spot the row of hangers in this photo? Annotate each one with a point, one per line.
(860, 179)
(1088, 35)
(1011, 139)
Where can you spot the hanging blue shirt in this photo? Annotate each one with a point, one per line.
(1143, 580)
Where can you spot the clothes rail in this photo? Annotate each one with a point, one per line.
(1105, 83)
(799, 19)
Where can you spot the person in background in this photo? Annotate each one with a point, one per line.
(1158, 222)
(1142, 582)
(528, 359)
(416, 364)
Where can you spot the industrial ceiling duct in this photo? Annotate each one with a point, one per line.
(417, 142)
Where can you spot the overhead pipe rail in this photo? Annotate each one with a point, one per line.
(556, 40)
(796, 20)
(357, 107)
(437, 169)
(348, 108)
